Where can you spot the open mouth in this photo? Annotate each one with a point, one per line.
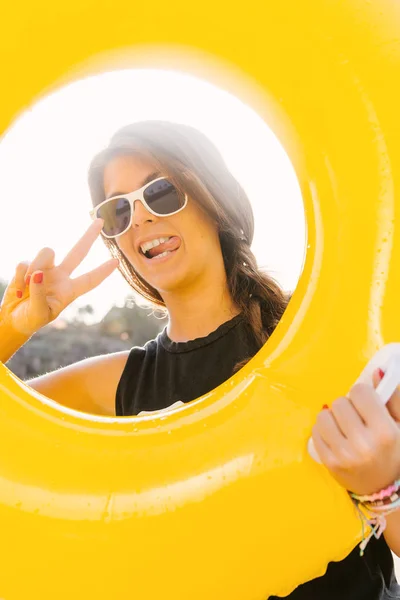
(160, 247)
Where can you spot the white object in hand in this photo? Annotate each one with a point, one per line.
(387, 359)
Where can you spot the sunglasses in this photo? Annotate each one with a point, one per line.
(160, 197)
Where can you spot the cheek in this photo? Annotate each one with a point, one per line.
(126, 248)
(125, 243)
(204, 248)
(200, 232)
(208, 237)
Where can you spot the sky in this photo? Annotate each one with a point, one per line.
(45, 154)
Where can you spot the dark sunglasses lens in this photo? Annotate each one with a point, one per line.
(116, 215)
(163, 197)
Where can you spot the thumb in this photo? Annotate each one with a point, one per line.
(393, 405)
(376, 377)
(37, 295)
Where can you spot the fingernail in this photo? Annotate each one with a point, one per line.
(19, 294)
(28, 280)
(325, 407)
(38, 277)
(381, 373)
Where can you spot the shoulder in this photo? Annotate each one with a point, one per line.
(138, 353)
(135, 360)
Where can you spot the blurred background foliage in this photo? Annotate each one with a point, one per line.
(65, 342)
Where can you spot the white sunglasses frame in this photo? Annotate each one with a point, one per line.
(132, 197)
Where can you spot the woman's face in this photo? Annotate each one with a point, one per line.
(194, 244)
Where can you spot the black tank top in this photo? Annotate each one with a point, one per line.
(164, 372)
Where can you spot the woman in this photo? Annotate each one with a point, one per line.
(180, 227)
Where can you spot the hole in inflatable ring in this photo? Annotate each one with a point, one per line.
(44, 158)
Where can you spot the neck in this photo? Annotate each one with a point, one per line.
(198, 311)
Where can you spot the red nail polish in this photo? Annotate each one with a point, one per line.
(381, 373)
(38, 278)
(19, 294)
(325, 407)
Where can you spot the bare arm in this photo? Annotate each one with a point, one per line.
(392, 532)
(89, 385)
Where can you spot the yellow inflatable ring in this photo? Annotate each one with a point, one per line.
(218, 499)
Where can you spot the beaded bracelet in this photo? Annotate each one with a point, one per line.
(381, 495)
(373, 508)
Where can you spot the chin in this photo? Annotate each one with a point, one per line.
(167, 285)
(170, 282)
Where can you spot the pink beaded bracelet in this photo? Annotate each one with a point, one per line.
(381, 495)
(373, 508)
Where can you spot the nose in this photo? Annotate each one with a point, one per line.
(141, 214)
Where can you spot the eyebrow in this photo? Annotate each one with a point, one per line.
(145, 180)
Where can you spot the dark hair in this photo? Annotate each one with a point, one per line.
(196, 167)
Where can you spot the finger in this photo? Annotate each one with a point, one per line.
(43, 260)
(369, 406)
(393, 406)
(323, 450)
(38, 301)
(330, 432)
(16, 286)
(348, 420)
(81, 249)
(20, 272)
(376, 377)
(87, 282)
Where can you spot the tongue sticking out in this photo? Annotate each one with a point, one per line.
(172, 244)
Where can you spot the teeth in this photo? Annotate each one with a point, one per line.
(162, 254)
(152, 244)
